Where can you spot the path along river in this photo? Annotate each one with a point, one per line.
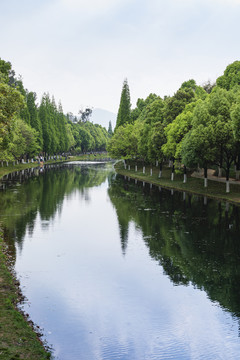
(112, 269)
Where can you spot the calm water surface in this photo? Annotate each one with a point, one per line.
(114, 270)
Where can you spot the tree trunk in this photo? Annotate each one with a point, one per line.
(185, 175)
(160, 171)
(205, 177)
(227, 187)
(156, 163)
(238, 168)
(227, 180)
(172, 174)
(219, 171)
(151, 172)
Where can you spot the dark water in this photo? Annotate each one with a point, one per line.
(114, 270)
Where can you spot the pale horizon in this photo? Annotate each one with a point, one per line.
(80, 52)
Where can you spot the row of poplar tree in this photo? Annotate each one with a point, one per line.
(28, 129)
(199, 126)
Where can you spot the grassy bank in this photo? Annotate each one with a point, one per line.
(17, 338)
(215, 189)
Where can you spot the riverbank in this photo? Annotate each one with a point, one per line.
(216, 189)
(18, 339)
(4, 170)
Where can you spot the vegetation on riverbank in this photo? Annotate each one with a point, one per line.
(4, 170)
(18, 340)
(29, 128)
(199, 126)
(215, 188)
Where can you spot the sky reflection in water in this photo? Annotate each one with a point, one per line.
(97, 298)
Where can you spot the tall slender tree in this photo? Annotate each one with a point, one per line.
(34, 118)
(110, 131)
(124, 111)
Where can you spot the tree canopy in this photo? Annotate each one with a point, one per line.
(124, 111)
(197, 126)
(28, 129)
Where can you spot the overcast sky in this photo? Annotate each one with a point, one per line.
(81, 51)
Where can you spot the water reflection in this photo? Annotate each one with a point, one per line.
(118, 269)
(30, 192)
(194, 240)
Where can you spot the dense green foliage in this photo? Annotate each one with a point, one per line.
(28, 129)
(197, 126)
(124, 111)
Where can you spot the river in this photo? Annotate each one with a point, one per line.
(113, 269)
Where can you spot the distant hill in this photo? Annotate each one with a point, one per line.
(102, 117)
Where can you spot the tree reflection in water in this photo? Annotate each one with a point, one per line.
(193, 240)
(33, 193)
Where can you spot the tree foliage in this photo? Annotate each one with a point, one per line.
(196, 126)
(124, 111)
(28, 129)
(231, 76)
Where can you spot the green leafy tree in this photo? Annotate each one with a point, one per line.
(87, 140)
(110, 131)
(197, 148)
(219, 107)
(123, 144)
(176, 104)
(34, 117)
(235, 116)
(156, 140)
(124, 111)
(230, 77)
(24, 140)
(212, 138)
(62, 130)
(152, 113)
(176, 131)
(188, 92)
(5, 68)
(141, 104)
(70, 137)
(45, 119)
(11, 102)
